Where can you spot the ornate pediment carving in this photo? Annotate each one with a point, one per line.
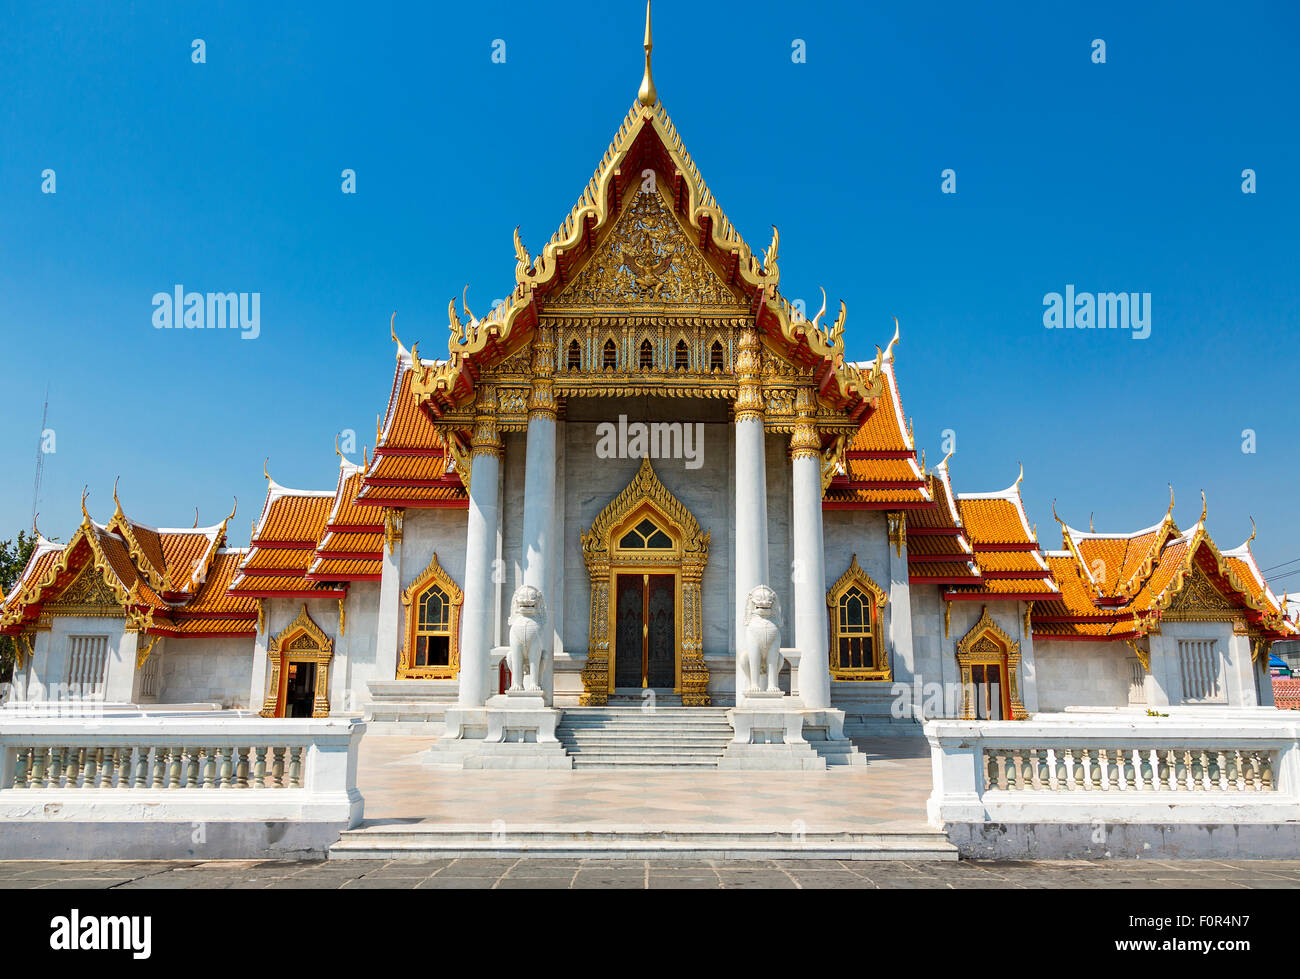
(1199, 600)
(88, 594)
(647, 262)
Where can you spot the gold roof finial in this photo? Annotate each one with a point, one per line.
(1170, 511)
(1021, 478)
(196, 519)
(1091, 528)
(1252, 532)
(85, 492)
(647, 96)
(1203, 506)
(117, 504)
(266, 469)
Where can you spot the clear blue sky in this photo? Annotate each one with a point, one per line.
(226, 176)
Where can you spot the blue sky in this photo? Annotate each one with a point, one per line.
(225, 176)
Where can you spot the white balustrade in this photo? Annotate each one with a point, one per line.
(207, 766)
(1194, 767)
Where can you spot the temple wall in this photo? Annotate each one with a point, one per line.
(205, 671)
(928, 644)
(50, 668)
(1083, 674)
(359, 641)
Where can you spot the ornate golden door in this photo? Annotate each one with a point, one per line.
(645, 554)
(645, 631)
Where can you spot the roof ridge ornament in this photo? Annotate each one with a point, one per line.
(1252, 532)
(647, 95)
(1204, 507)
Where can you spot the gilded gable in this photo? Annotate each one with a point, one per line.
(647, 261)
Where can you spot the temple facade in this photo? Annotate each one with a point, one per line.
(645, 433)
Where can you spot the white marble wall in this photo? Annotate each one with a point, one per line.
(1082, 674)
(204, 671)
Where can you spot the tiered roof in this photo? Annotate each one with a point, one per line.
(412, 467)
(352, 545)
(880, 470)
(939, 551)
(166, 581)
(284, 545)
(1120, 586)
(1010, 563)
(646, 140)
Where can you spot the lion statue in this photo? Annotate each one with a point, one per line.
(763, 630)
(527, 651)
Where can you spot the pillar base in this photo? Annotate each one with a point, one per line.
(783, 735)
(514, 731)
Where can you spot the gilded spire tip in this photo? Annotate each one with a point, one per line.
(647, 96)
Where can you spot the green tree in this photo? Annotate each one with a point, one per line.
(14, 555)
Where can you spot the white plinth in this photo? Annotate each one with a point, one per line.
(514, 731)
(778, 733)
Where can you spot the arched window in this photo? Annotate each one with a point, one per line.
(646, 535)
(647, 355)
(715, 356)
(609, 356)
(682, 360)
(432, 648)
(433, 629)
(857, 647)
(575, 356)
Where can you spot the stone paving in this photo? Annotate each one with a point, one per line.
(887, 795)
(654, 874)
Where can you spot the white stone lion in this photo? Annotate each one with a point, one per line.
(527, 651)
(763, 630)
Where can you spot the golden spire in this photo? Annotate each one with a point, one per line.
(647, 95)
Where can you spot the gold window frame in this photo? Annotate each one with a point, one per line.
(855, 577)
(433, 575)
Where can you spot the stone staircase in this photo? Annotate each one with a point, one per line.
(629, 737)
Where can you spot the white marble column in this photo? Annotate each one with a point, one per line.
(539, 499)
(811, 627)
(388, 634)
(751, 490)
(480, 548)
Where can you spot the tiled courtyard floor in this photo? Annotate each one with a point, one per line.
(888, 794)
(642, 874)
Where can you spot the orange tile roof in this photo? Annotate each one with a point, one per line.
(884, 429)
(410, 467)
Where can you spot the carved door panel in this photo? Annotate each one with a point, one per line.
(629, 630)
(661, 639)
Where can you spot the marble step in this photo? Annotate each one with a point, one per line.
(387, 841)
(661, 741)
